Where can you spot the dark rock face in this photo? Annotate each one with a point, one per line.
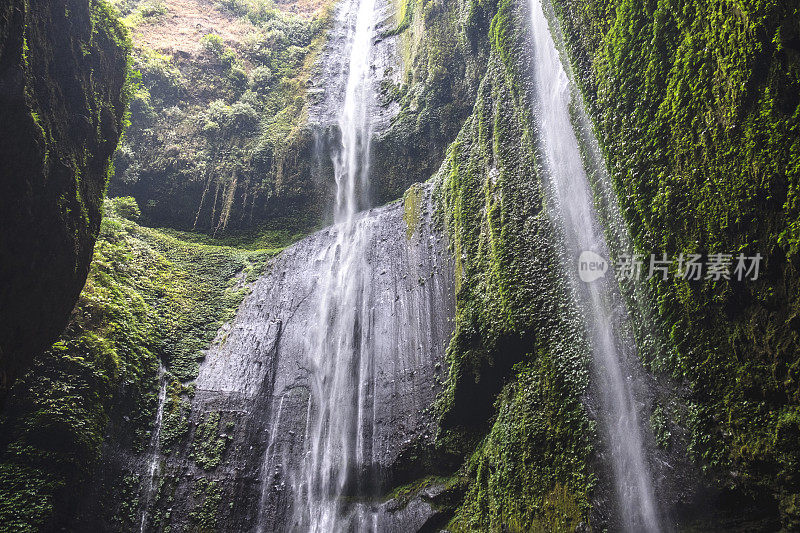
(256, 376)
(62, 73)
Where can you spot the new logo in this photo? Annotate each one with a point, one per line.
(591, 266)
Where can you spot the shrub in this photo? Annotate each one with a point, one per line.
(213, 44)
(262, 79)
(155, 8)
(124, 206)
(141, 106)
(159, 73)
(238, 76)
(244, 117)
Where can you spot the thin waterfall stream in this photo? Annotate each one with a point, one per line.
(152, 463)
(613, 355)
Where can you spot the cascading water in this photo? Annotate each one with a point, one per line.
(328, 370)
(152, 463)
(612, 353)
(338, 418)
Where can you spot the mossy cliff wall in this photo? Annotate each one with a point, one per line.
(443, 51)
(223, 137)
(697, 107)
(519, 371)
(62, 103)
(219, 138)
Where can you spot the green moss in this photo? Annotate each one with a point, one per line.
(404, 493)
(210, 442)
(559, 510)
(161, 508)
(697, 109)
(149, 298)
(25, 497)
(660, 428)
(404, 10)
(222, 145)
(531, 473)
(412, 206)
(209, 495)
(443, 63)
(270, 238)
(175, 422)
(128, 512)
(62, 119)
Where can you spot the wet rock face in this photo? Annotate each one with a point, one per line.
(62, 71)
(327, 91)
(256, 378)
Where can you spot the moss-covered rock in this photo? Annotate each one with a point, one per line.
(443, 51)
(697, 106)
(518, 359)
(63, 68)
(150, 300)
(222, 153)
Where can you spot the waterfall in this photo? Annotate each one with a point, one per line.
(152, 462)
(351, 163)
(339, 422)
(613, 353)
(329, 368)
(329, 422)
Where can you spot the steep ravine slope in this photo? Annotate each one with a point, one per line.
(62, 101)
(443, 51)
(485, 417)
(230, 123)
(540, 463)
(219, 139)
(150, 301)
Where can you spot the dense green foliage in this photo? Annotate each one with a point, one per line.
(217, 140)
(220, 141)
(208, 444)
(412, 207)
(697, 106)
(150, 299)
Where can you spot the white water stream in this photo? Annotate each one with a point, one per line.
(153, 447)
(340, 367)
(574, 206)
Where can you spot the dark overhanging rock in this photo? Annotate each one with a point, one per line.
(63, 66)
